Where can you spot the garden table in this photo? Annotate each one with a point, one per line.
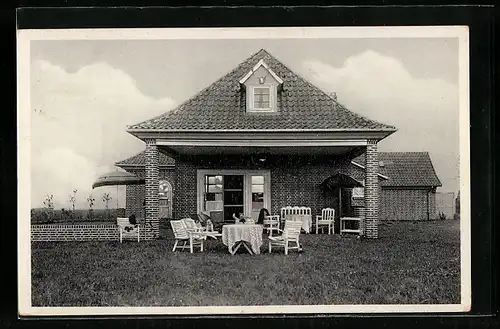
(248, 235)
(344, 220)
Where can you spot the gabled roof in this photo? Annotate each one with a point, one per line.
(405, 169)
(139, 160)
(221, 106)
(256, 67)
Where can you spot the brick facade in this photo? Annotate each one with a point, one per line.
(407, 204)
(152, 222)
(77, 232)
(136, 194)
(294, 181)
(370, 224)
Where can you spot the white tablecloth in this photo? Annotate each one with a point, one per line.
(305, 219)
(249, 233)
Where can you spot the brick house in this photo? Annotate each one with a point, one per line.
(408, 187)
(260, 136)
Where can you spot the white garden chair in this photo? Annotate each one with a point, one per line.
(189, 238)
(271, 223)
(327, 219)
(191, 225)
(295, 212)
(196, 227)
(125, 229)
(289, 239)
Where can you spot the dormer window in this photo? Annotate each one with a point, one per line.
(261, 85)
(262, 98)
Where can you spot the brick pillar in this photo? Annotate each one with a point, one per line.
(370, 227)
(152, 225)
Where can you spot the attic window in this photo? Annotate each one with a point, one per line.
(261, 86)
(261, 98)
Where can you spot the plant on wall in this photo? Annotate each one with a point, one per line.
(72, 200)
(106, 198)
(91, 201)
(49, 207)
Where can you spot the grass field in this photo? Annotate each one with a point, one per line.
(411, 262)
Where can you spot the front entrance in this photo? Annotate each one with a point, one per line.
(227, 192)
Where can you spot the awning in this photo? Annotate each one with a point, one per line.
(118, 178)
(340, 180)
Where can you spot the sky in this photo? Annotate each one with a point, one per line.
(85, 92)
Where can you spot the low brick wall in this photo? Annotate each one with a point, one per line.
(78, 232)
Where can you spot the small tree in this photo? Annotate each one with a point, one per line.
(72, 199)
(49, 207)
(91, 201)
(106, 198)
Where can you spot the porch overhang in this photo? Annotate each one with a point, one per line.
(283, 142)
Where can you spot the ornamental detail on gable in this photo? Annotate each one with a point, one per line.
(261, 85)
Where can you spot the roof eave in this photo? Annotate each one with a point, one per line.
(378, 134)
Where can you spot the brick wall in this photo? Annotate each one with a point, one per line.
(370, 224)
(294, 181)
(77, 232)
(152, 225)
(433, 214)
(406, 204)
(299, 185)
(135, 194)
(185, 200)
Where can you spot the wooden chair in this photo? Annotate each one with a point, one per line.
(196, 227)
(125, 229)
(182, 234)
(191, 225)
(327, 218)
(289, 239)
(290, 213)
(272, 223)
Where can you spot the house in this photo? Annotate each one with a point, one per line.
(260, 136)
(408, 190)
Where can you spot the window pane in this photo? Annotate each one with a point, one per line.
(213, 179)
(261, 91)
(214, 188)
(261, 97)
(258, 188)
(257, 179)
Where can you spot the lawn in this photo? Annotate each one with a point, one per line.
(411, 263)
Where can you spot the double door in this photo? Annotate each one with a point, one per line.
(228, 192)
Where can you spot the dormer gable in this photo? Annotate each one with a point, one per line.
(261, 85)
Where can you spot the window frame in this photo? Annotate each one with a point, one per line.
(362, 189)
(272, 99)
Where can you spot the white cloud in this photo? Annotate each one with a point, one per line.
(425, 111)
(78, 126)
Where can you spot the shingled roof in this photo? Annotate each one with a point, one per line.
(405, 169)
(139, 160)
(221, 106)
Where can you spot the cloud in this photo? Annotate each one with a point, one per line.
(425, 111)
(78, 126)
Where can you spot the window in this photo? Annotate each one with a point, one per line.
(358, 192)
(261, 99)
(213, 193)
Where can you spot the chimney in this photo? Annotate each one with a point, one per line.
(333, 95)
